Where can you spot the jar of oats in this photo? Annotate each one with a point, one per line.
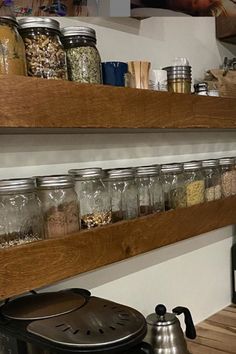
(194, 182)
(228, 180)
(212, 178)
(83, 58)
(45, 54)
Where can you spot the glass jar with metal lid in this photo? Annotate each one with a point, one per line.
(94, 199)
(45, 55)
(124, 194)
(150, 191)
(12, 49)
(227, 176)
(173, 185)
(83, 58)
(60, 205)
(212, 178)
(21, 219)
(194, 182)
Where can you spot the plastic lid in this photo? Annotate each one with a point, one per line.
(158, 75)
(79, 31)
(42, 22)
(161, 317)
(192, 165)
(54, 181)
(95, 172)
(174, 167)
(17, 184)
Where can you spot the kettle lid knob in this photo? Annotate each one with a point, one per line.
(160, 310)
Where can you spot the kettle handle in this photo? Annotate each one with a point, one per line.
(190, 328)
(146, 348)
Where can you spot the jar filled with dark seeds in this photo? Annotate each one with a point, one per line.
(60, 205)
(21, 218)
(173, 186)
(45, 55)
(124, 194)
(94, 199)
(212, 178)
(83, 58)
(228, 179)
(150, 191)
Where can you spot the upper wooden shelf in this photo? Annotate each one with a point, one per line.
(33, 104)
(226, 29)
(42, 263)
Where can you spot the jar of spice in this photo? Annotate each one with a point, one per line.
(83, 58)
(212, 178)
(124, 194)
(12, 49)
(174, 186)
(60, 205)
(194, 182)
(94, 199)
(227, 176)
(45, 55)
(150, 191)
(21, 218)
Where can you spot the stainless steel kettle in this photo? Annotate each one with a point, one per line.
(165, 333)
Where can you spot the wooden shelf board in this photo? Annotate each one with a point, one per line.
(217, 334)
(226, 29)
(42, 263)
(32, 103)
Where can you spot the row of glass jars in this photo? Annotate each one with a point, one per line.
(36, 47)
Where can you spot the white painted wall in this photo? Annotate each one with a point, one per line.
(196, 272)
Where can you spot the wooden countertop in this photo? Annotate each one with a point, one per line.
(217, 334)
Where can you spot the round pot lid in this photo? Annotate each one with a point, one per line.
(98, 324)
(45, 305)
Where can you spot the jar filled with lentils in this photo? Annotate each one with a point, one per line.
(94, 199)
(60, 205)
(227, 170)
(174, 186)
(150, 191)
(124, 194)
(83, 58)
(194, 183)
(212, 178)
(45, 55)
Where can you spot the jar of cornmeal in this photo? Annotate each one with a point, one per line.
(194, 183)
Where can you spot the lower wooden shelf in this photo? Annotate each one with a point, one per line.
(217, 334)
(42, 263)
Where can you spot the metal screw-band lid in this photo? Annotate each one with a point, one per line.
(79, 31)
(40, 22)
(17, 184)
(59, 181)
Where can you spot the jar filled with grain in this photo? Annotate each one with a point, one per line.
(194, 183)
(227, 171)
(60, 205)
(174, 186)
(21, 218)
(12, 49)
(150, 191)
(212, 178)
(45, 54)
(124, 194)
(83, 58)
(94, 199)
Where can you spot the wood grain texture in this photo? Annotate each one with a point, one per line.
(226, 29)
(217, 334)
(40, 103)
(43, 263)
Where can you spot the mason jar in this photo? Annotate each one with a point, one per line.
(150, 191)
(173, 186)
(83, 58)
(194, 183)
(94, 199)
(227, 171)
(212, 178)
(12, 49)
(45, 54)
(21, 219)
(124, 194)
(60, 205)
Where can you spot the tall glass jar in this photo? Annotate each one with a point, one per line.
(95, 204)
(212, 178)
(83, 58)
(174, 186)
(45, 55)
(227, 176)
(21, 219)
(12, 49)
(194, 182)
(124, 194)
(60, 205)
(150, 191)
